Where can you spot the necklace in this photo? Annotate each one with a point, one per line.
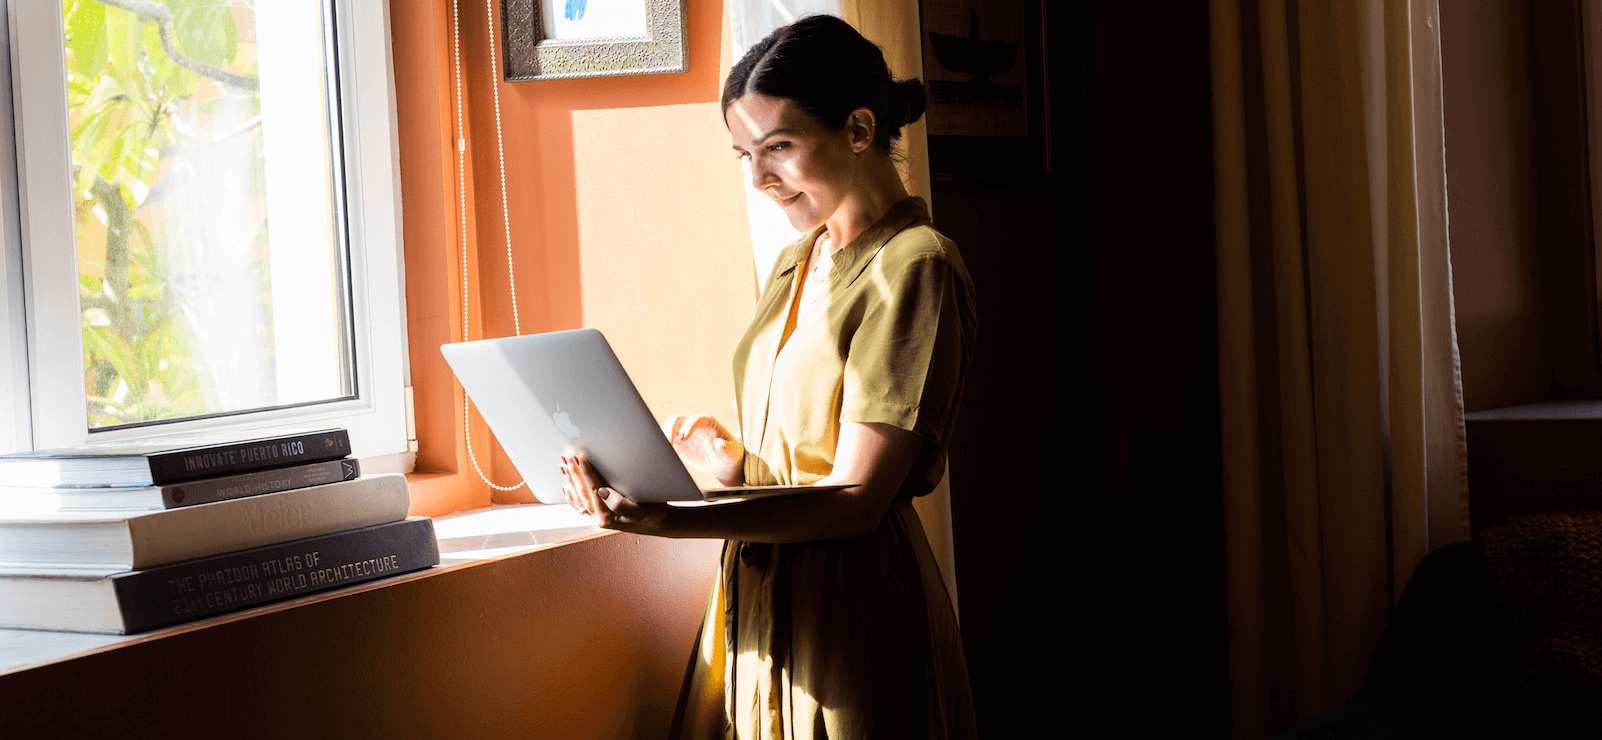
(817, 274)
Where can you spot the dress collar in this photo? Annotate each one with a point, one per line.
(855, 256)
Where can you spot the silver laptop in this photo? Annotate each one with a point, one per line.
(546, 395)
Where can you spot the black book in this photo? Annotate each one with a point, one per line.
(164, 460)
(134, 601)
(18, 501)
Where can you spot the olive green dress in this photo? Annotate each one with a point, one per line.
(843, 638)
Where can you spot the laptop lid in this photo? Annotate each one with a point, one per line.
(546, 395)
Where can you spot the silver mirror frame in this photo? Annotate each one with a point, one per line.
(531, 56)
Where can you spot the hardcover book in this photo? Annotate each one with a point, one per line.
(134, 540)
(88, 600)
(17, 501)
(160, 461)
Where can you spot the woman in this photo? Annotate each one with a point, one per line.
(829, 618)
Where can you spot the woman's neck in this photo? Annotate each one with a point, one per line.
(877, 187)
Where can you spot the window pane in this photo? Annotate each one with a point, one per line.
(206, 184)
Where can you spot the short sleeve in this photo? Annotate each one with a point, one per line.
(905, 360)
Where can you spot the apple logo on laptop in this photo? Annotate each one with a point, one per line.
(565, 423)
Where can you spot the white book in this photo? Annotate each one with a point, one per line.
(137, 539)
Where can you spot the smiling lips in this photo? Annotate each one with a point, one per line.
(787, 200)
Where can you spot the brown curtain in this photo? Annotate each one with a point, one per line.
(1344, 452)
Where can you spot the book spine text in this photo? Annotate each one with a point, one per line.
(255, 484)
(190, 590)
(181, 465)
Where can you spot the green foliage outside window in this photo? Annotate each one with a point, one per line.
(143, 77)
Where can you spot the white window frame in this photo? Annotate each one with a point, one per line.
(42, 398)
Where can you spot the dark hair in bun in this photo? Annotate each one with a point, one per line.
(828, 70)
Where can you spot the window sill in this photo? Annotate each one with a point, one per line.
(466, 539)
(1533, 457)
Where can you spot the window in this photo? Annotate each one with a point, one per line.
(201, 221)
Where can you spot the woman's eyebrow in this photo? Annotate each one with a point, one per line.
(776, 132)
(769, 135)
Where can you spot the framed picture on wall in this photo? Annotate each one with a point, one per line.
(563, 39)
(984, 67)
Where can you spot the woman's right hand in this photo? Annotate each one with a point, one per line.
(703, 443)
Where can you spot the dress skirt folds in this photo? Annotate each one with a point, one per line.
(852, 638)
(839, 639)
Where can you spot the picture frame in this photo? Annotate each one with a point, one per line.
(988, 119)
(567, 39)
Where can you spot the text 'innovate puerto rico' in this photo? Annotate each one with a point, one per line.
(204, 461)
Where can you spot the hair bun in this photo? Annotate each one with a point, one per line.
(910, 99)
(827, 69)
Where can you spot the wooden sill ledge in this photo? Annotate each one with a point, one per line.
(466, 539)
(1542, 456)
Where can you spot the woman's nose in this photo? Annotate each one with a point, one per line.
(762, 176)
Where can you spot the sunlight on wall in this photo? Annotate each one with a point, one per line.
(663, 182)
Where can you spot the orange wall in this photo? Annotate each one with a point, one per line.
(625, 209)
(626, 214)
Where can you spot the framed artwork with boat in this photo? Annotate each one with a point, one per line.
(983, 64)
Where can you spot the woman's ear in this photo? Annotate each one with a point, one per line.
(861, 126)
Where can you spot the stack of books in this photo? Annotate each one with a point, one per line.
(123, 538)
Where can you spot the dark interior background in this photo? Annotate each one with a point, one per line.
(1087, 505)
(1087, 488)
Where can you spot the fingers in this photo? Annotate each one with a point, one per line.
(578, 479)
(593, 507)
(570, 484)
(586, 491)
(600, 503)
(585, 472)
(680, 428)
(705, 423)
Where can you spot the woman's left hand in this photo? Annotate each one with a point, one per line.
(588, 493)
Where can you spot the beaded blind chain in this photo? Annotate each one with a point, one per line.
(461, 191)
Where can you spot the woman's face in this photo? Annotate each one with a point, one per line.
(807, 169)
